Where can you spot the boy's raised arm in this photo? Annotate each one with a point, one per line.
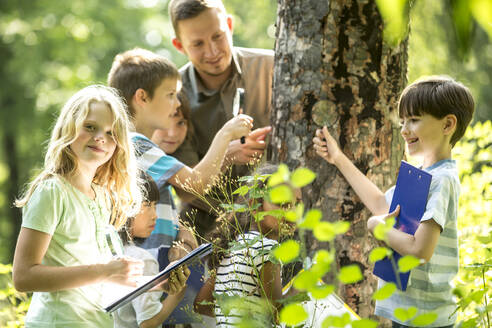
(372, 197)
(200, 178)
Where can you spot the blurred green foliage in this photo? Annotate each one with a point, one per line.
(474, 284)
(433, 50)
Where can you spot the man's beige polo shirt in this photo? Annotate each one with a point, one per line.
(252, 70)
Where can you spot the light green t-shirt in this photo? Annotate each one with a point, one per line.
(77, 226)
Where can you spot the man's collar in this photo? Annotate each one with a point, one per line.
(197, 85)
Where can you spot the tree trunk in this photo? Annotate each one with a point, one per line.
(12, 190)
(332, 68)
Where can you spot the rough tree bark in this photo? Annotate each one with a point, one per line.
(333, 68)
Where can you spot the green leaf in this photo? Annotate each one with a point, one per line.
(241, 191)
(281, 194)
(293, 314)
(335, 321)
(424, 319)
(281, 176)
(341, 227)
(320, 292)
(482, 12)
(324, 231)
(305, 280)
(302, 177)
(350, 274)
(234, 207)
(384, 292)
(405, 314)
(382, 229)
(311, 219)
(364, 323)
(407, 263)
(296, 214)
(379, 253)
(287, 251)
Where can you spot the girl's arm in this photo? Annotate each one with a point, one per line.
(199, 178)
(372, 197)
(420, 245)
(205, 295)
(29, 275)
(271, 284)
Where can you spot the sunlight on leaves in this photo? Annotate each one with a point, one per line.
(395, 15)
(384, 292)
(364, 323)
(322, 291)
(407, 263)
(405, 314)
(287, 251)
(482, 11)
(424, 319)
(382, 229)
(379, 253)
(281, 194)
(281, 176)
(302, 177)
(305, 280)
(313, 216)
(324, 231)
(293, 314)
(241, 191)
(335, 321)
(350, 274)
(341, 227)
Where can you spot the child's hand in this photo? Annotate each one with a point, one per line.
(238, 126)
(251, 149)
(176, 281)
(374, 221)
(125, 271)
(326, 147)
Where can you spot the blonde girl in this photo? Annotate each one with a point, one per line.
(89, 179)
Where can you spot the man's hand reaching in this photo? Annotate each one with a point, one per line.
(252, 149)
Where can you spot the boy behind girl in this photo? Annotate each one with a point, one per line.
(150, 83)
(434, 114)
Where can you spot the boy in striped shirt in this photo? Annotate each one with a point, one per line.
(150, 84)
(434, 114)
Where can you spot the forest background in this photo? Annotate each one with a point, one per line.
(51, 49)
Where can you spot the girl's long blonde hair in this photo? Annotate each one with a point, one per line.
(118, 176)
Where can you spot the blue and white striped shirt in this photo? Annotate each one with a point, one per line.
(239, 275)
(161, 168)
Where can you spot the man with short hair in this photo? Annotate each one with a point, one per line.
(216, 69)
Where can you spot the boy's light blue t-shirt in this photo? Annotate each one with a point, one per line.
(76, 224)
(161, 168)
(430, 285)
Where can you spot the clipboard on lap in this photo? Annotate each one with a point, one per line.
(197, 253)
(411, 193)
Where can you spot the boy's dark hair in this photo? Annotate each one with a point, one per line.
(150, 193)
(139, 69)
(439, 96)
(231, 225)
(184, 9)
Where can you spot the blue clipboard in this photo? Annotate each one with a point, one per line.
(411, 193)
(197, 253)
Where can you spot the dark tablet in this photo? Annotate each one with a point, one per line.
(197, 253)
